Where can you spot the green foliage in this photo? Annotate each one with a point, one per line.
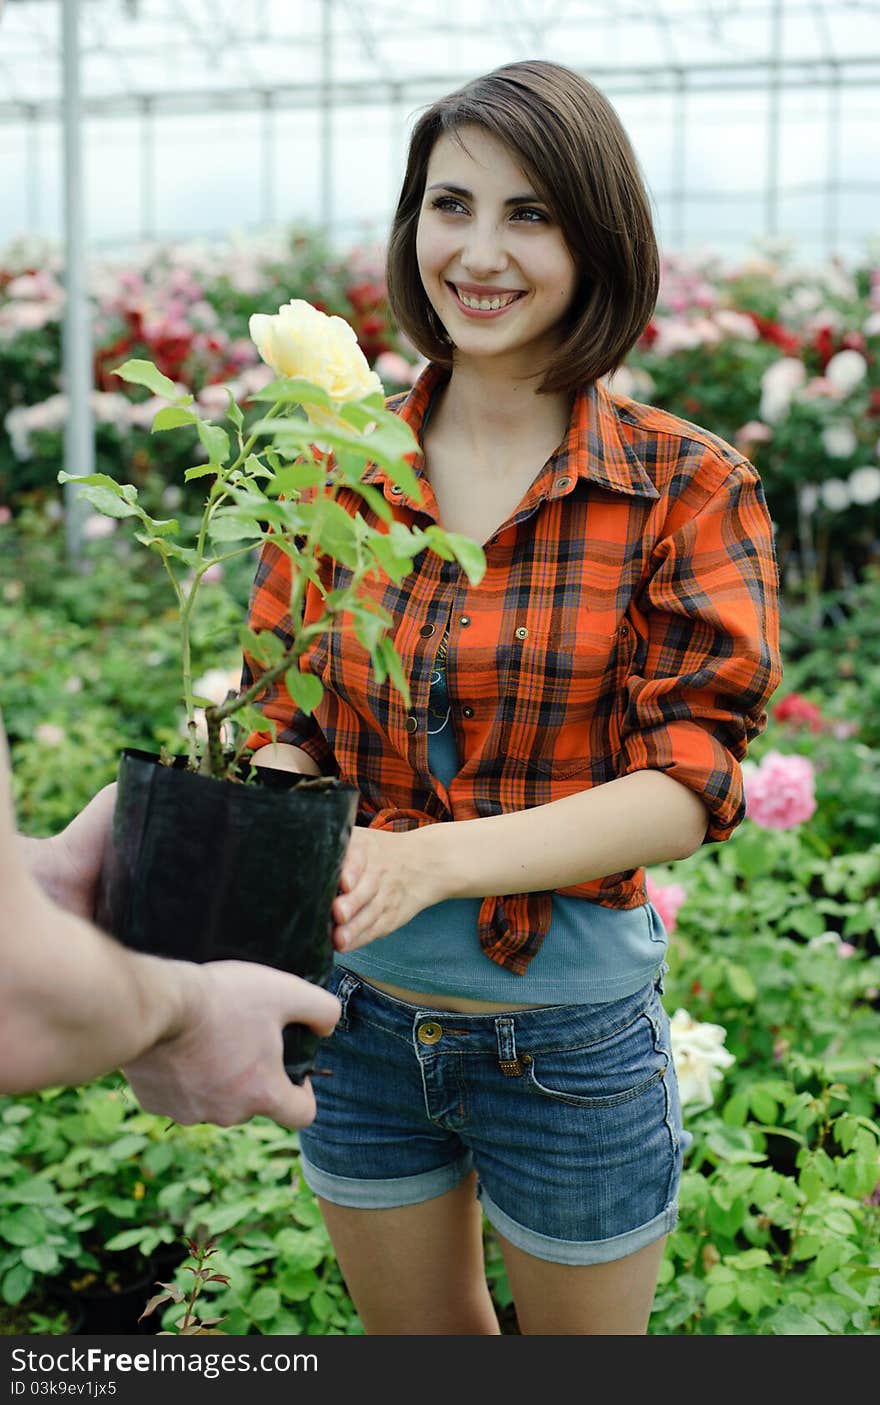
(254, 496)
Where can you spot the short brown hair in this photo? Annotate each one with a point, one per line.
(570, 142)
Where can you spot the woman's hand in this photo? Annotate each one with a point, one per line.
(386, 879)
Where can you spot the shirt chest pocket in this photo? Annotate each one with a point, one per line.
(560, 667)
(561, 687)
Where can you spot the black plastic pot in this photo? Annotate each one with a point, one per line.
(204, 870)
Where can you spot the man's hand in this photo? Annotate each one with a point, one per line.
(386, 879)
(226, 1063)
(68, 866)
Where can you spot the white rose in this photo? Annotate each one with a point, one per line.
(216, 683)
(700, 1058)
(834, 493)
(864, 484)
(809, 500)
(846, 370)
(301, 342)
(839, 440)
(778, 384)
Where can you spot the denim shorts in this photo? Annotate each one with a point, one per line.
(569, 1113)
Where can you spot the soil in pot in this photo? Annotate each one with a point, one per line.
(204, 870)
(112, 1300)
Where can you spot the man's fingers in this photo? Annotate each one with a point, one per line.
(291, 1105)
(309, 1004)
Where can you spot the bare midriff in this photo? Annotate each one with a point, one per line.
(460, 1004)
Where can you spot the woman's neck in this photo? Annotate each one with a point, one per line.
(487, 412)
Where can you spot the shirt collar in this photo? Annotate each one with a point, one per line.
(594, 443)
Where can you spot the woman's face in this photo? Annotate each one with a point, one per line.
(492, 259)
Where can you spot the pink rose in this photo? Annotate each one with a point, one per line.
(780, 793)
(667, 898)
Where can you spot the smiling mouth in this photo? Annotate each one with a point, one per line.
(495, 302)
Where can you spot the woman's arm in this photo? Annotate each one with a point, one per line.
(641, 819)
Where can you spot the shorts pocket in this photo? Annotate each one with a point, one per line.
(617, 1069)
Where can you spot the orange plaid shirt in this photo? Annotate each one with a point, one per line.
(627, 620)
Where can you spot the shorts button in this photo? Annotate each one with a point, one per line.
(426, 631)
(429, 1033)
(467, 712)
(412, 724)
(396, 491)
(464, 621)
(562, 483)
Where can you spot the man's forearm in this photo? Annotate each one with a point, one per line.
(641, 819)
(74, 1002)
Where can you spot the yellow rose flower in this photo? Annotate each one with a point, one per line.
(299, 341)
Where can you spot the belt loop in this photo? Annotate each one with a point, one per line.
(508, 1059)
(347, 987)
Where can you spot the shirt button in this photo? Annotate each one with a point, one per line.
(396, 490)
(624, 631)
(429, 1032)
(464, 621)
(467, 712)
(412, 723)
(562, 483)
(521, 632)
(426, 631)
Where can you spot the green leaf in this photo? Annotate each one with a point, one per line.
(305, 689)
(234, 414)
(264, 1304)
(172, 417)
(186, 554)
(201, 470)
(215, 441)
(23, 1227)
(323, 1305)
(161, 527)
(16, 1284)
(294, 477)
(230, 525)
(719, 1296)
(469, 555)
(112, 498)
(751, 1298)
(391, 659)
(266, 647)
(741, 983)
(375, 500)
(293, 390)
(790, 1321)
(395, 566)
(145, 373)
(370, 627)
(42, 1258)
(763, 1105)
(297, 1285)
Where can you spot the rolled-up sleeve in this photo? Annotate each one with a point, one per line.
(708, 660)
(269, 608)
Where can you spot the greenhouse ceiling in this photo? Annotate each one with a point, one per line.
(203, 55)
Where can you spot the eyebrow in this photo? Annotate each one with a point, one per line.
(528, 199)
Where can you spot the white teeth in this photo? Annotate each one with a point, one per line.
(485, 304)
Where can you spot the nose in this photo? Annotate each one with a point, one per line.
(483, 252)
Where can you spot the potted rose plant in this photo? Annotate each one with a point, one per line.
(209, 856)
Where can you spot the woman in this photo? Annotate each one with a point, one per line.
(579, 714)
